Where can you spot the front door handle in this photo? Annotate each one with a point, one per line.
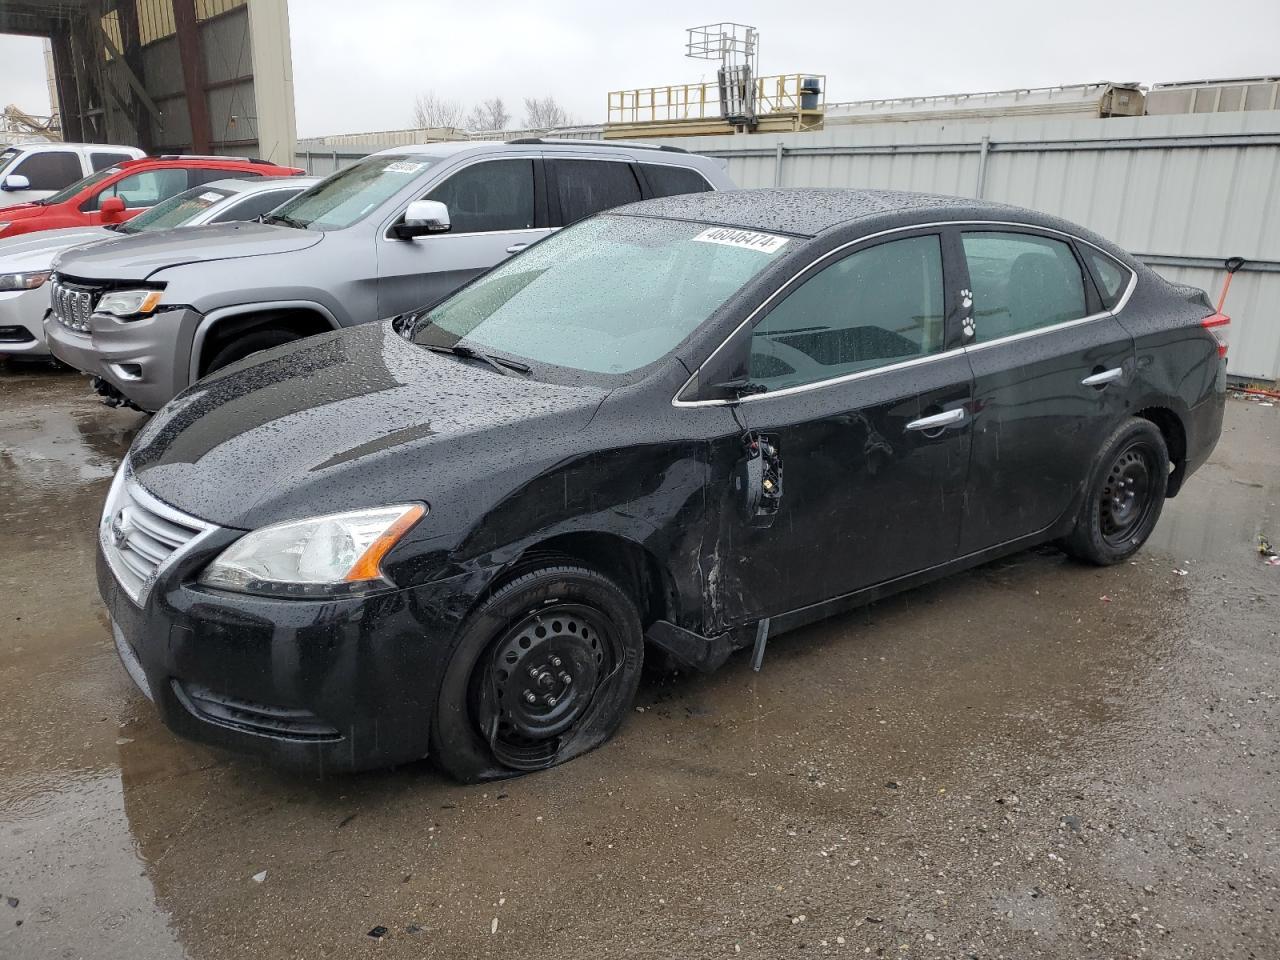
(947, 418)
(1103, 378)
(516, 247)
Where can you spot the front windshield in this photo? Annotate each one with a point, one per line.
(7, 158)
(66, 193)
(608, 295)
(353, 192)
(175, 211)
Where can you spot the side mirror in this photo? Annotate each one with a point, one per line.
(15, 181)
(111, 208)
(423, 217)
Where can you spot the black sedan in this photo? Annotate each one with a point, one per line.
(681, 427)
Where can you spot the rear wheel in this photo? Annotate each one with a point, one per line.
(546, 669)
(248, 344)
(1125, 495)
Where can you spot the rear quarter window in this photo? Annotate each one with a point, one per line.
(667, 181)
(1112, 277)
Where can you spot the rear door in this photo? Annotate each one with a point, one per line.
(1050, 369)
(865, 402)
(496, 208)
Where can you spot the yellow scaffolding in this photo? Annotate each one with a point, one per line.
(782, 103)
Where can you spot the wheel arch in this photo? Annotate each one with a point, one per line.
(628, 563)
(306, 317)
(1174, 431)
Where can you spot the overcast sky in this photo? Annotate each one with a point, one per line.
(359, 65)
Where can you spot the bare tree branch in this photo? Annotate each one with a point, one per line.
(490, 114)
(430, 110)
(543, 113)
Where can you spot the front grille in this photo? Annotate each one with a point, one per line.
(73, 304)
(141, 535)
(254, 717)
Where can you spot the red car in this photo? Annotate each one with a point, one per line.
(117, 193)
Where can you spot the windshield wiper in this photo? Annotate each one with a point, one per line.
(284, 219)
(501, 364)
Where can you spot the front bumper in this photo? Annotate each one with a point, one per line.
(316, 685)
(22, 322)
(147, 360)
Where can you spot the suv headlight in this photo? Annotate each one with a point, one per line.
(23, 281)
(337, 554)
(129, 303)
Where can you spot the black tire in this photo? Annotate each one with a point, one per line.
(250, 343)
(1125, 495)
(550, 623)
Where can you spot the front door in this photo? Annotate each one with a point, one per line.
(865, 407)
(494, 212)
(1050, 370)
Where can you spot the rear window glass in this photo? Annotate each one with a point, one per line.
(589, 186)
(1021, 282)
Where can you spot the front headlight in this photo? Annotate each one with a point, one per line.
(129, 303)
(331, 555)
(23, 281)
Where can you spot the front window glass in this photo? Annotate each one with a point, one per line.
(875, 307)
(144, 189)
(489, 196)
(1021, 282)
(6, 158)
(354, 192)
(175, 211)
(608, 296)
(50, 170)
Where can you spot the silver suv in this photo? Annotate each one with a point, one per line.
(147, 316)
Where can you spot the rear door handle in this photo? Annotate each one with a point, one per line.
(947, 418)
(1103, 378)
(516, 247)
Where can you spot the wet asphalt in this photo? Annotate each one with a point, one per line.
(1035, 759)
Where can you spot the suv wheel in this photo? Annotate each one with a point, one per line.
(546, 669)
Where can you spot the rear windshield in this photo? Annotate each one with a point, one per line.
(354, 192)
(66, 193)
(608, 295)
(176, 211)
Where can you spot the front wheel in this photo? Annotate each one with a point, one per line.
(546, 669)
(1125, 496)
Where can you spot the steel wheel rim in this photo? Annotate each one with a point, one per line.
(1125, 502)
(539, 680)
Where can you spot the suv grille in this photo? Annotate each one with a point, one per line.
(73, 304)
(140, 535)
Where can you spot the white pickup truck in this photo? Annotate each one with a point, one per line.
(33, 171)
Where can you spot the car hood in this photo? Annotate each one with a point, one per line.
(137, 257)
(35, 251)
(23, 211)
(354, 418)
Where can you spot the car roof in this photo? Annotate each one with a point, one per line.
(258, 184)
(449, 148)
(808, 212)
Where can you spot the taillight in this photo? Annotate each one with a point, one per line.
(1217, 325)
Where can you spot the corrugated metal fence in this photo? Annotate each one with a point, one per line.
(1182, 192)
